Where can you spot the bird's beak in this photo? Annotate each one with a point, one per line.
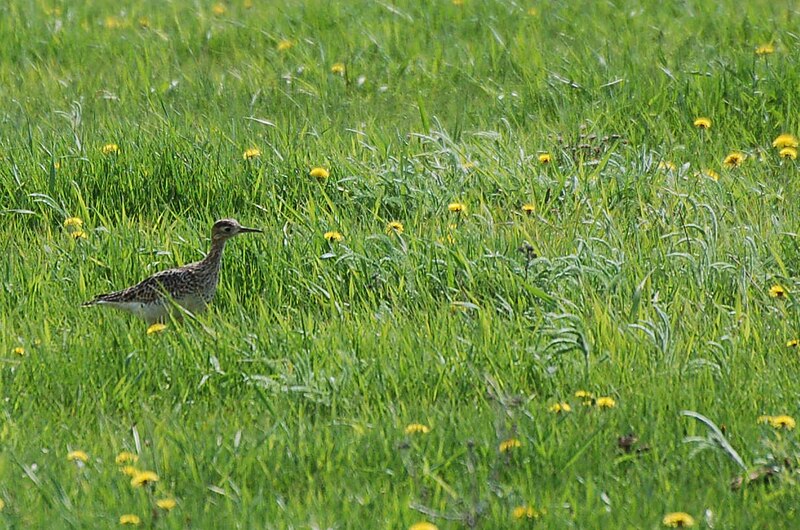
(244, 229)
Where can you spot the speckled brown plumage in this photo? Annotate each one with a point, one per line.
(192, 286)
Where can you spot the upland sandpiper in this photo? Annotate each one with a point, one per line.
(191, 287)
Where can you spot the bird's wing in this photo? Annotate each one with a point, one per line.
(147, 291)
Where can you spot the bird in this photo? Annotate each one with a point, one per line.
(191, 287)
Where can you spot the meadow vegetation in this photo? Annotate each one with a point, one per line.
(524, 264)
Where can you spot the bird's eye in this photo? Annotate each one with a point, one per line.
(228, 228)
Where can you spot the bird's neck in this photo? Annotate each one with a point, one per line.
(214, 255)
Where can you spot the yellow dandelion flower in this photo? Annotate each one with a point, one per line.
(702, 123)
(333, 236)
(734, 159)
(710, 173)
(319, 173)
(765, 49)
(666, 165)
(782, 422)
(166, 504)
(78, 234)
(395, 227)
(251, 153)
(525, 512)
(143, 478)
(583, 394)
(112, 22)
(417, 428)
(337, 68)
(218, 9)
(545, 158)
(528, 208)
(560, 407)
(156, 328)
(520, 512)
(284, 45)
(72, 222)
(423, 525)
(508, 445)
(130, 519)
(2, 505)
(457, 207)
(458, 3)
(785, 140)
(777, 291)
(77, 456)
(678, 520)
(131, 471)
(605, 403)
(792, 343)
(56, 165)
(19, 351)
(110, 149)
(248, 4)
(789, 153)
(126, 457)
(144, 22)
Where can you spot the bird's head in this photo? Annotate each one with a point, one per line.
(225, 229)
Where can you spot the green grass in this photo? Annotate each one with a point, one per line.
(285, 405)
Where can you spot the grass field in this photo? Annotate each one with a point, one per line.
(425, 371)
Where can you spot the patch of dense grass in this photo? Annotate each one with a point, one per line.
(631, 273)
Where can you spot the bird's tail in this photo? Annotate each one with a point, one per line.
(116, 296)
(94, 301)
